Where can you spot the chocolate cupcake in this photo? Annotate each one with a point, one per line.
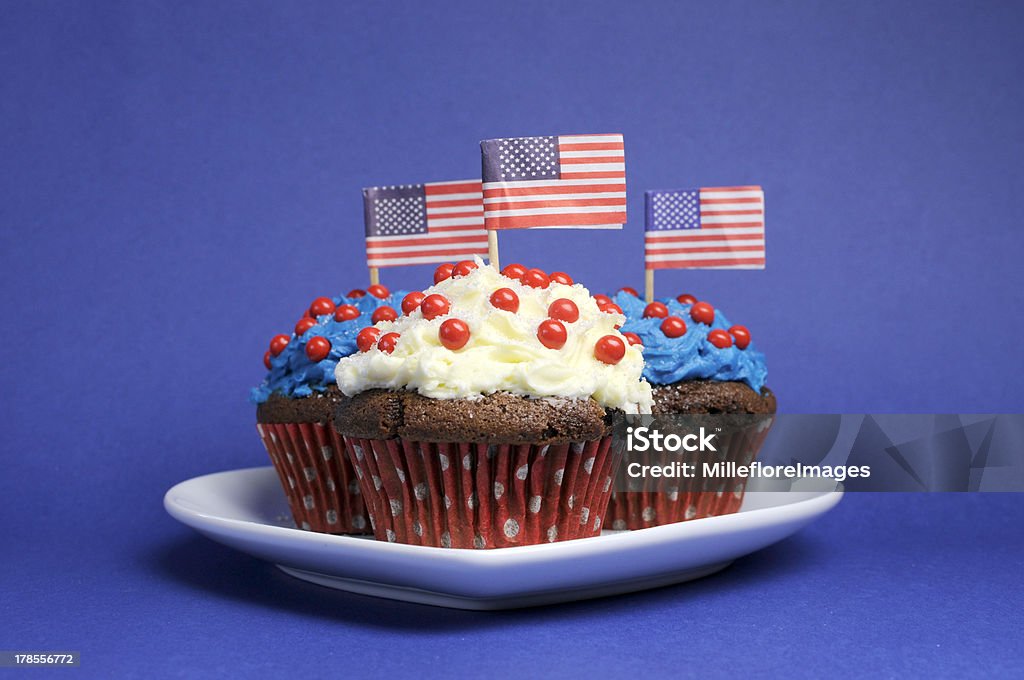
(698, 364)
(481, 418)
(295, 406)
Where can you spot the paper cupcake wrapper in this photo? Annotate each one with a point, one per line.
(465, 495)
(317, 477)
(667, 500)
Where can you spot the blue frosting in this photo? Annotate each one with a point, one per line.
(292, 374)
(690, 356)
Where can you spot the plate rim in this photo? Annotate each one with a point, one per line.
(806, 507)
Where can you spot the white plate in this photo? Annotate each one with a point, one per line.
(247, 510)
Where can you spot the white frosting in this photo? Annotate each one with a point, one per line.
(503, 353)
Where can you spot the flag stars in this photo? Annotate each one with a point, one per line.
(395, 216)
(528, 157)
(676, 210)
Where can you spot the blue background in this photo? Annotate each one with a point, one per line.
(179, 180)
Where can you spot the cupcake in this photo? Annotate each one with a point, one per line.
(481, 418)
(295, 405)
(698, 364)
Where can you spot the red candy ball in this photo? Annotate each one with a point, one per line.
(505, 298)
(564, 309)
(535, 278)
(387, 342)
(610, 308)
(434, 306)
(321, 306)
(685, 299)
(741, 335)
(384, 313)
(303, 325)
(656, 309)
(631, 291)
(562, 278)
(552, 334)
(378, 291)
(454, 334)
(318, 348)
(673, 327)
(367, 338)
(346, 313)
(411, 302)
(266, 359)
(463, 268)
(633, 338)
(513, 271)
(278, 343)
(720, 338)
(602, 300)
(356, 293)
(443, 272)
(610, 349)
(702, 312)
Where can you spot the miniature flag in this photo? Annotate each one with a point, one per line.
(424, 223)
(706, 228)
(568, 182)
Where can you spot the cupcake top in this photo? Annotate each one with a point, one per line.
(684, 339)
(303, 362)
(479, 332)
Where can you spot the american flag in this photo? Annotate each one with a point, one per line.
(423, 223)
(569, 182)
(706, 228)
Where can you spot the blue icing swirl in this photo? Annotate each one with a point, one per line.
(690, 356)
(292, 374)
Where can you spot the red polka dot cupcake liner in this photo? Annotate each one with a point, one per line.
(667, 500)
(322, 489)
(467, 495)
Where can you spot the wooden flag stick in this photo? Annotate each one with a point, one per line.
(649, 285)
(374, 276)
(492, 248)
